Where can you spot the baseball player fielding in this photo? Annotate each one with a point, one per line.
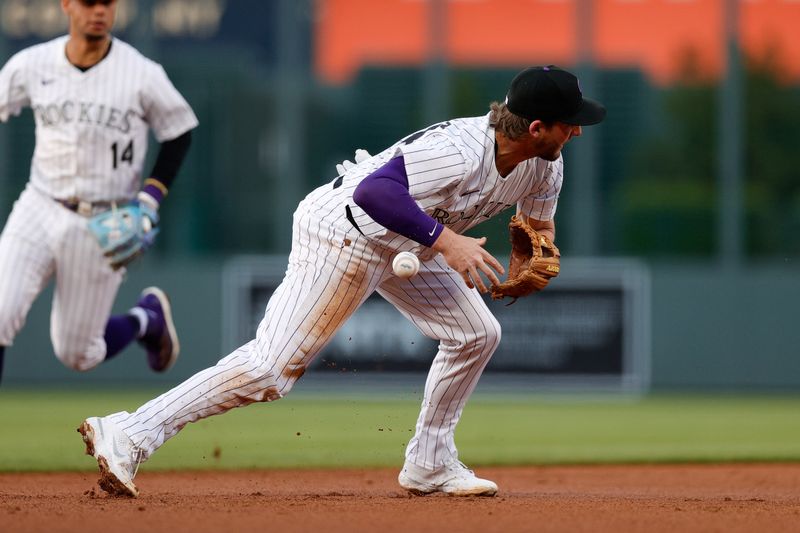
(419, 195)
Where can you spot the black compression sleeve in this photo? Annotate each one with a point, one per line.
(170, 157)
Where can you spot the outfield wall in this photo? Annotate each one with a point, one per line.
(710, 329)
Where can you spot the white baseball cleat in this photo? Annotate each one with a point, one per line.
(453, 478)
(117, 458)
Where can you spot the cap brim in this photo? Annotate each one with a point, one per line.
(590, 112)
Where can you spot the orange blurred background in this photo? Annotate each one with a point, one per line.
(656, 36)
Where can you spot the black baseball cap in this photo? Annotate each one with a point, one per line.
(552, 94)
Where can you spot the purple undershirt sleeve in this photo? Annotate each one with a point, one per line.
(384, 196)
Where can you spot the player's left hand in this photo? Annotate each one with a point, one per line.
(361, 155)
(535, 260)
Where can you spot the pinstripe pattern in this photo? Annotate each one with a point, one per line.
(237, 380)
(439, 304)
(40, 239)
(452, 176)
(91, 140)
(333, 268)
(86, 121)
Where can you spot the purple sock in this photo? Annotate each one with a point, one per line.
(154, 325)
(120, 331)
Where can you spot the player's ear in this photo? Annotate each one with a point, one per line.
(536, 128)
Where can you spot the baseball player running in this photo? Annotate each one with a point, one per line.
(93, 98)
(419, 195)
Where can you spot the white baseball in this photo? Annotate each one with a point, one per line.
(405, 265)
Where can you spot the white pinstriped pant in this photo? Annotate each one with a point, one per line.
(42, 239)
(332, 270)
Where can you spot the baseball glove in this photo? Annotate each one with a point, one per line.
(535, 260)
(125, 232)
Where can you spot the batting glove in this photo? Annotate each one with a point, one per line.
(361, 155)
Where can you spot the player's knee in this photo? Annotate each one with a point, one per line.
(261, 381)
(78, 356)
(75, 361)
(10, 324)
(285, 382)
(288, 376)
(491, 334)
(481, 340)
(484, 340)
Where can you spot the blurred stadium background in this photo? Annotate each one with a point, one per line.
(691, 184)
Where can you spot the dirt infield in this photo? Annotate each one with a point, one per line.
(733, 497)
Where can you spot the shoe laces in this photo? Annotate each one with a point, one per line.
(457, 466)
(138, 457)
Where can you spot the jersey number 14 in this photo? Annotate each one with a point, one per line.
(126, 156)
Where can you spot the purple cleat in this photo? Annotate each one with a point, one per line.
(160, 340)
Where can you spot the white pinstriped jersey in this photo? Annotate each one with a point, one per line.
(333, 270)
(453, 178)
(91, 127)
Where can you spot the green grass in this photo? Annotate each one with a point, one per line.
(37, 430)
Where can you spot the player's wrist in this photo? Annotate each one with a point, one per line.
(148, 206)
(150, 198)
(153, 192)
(147, 199)
(443, 240)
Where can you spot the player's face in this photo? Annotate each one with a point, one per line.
(90, 19)
(550, 140)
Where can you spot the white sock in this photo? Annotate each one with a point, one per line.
(141, 316)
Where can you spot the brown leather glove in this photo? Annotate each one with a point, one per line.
(535, 260)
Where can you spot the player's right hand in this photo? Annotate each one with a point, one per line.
(467, 256)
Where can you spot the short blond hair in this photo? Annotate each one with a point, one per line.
(511, 125)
